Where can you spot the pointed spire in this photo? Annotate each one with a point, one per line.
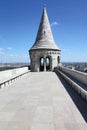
(44, 37)
(44, 32)
(45, 4)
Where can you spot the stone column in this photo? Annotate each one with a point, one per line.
(44, 63)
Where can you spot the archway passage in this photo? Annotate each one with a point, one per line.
(48, 63)
(45, 63)
(58, 59)
(41, 64)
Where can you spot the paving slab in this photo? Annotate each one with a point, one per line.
(39, 101)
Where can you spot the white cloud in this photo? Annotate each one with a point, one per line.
(9, 48)
(25, 56)
(65, 50)
(54, 23)
(2, 53)
(19, 56)
(1, 49)
(13, 55)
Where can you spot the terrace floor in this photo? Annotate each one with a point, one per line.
(41, 101)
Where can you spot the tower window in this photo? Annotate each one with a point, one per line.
(44, 32)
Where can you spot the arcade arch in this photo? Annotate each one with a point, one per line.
(45, 63)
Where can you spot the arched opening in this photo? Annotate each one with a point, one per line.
(41, 64)
(58, 59)
(48, 64)
(45, 63)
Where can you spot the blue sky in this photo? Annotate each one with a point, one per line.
(19, 21)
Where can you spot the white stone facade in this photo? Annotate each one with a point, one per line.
(36, 55)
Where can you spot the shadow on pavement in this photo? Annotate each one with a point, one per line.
(80, 103)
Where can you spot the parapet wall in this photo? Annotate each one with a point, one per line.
(67, 74)
(7, 74)
(82, 77)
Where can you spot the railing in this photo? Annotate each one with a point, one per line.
(80, 76)
(81, 91)
(4, 83)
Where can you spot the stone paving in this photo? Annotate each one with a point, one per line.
(38, 101)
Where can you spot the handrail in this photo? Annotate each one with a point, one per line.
(12, 79)
(80, 76)
(77, 87)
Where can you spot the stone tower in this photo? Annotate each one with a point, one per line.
(44, 54)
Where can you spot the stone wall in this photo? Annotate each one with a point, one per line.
(35, 56)
(74, 85)
(7, 74)
(80, 76)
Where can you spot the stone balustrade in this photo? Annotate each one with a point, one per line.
(8, 76)
(76, 75)
(80, 76)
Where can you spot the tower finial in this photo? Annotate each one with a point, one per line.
(45, 4)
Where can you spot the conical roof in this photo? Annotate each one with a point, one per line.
(44, 39)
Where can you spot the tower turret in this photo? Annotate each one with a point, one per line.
(44, 54)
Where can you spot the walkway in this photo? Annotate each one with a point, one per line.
(39, 101)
